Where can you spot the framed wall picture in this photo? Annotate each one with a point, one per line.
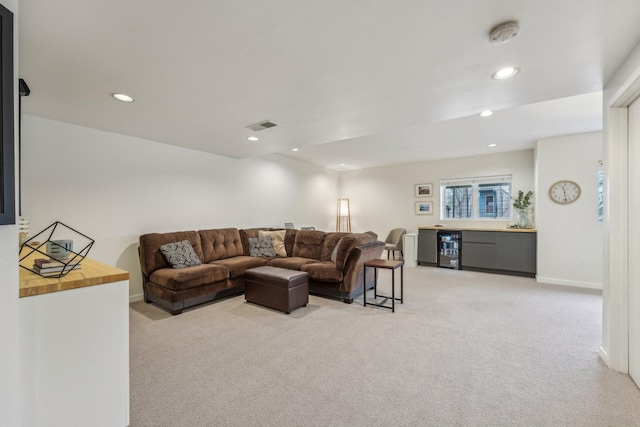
(424, 190)
(7, 160)
(424, 208)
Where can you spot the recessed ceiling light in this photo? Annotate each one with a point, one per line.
(505, 73)
(294, 149)
(492, 145)
(122, 97)
(486, 113)
(253, 138)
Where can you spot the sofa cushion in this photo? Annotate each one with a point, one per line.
(329, 244)
(239, 264)
(221, 243)
(180, 254)
(292, 263)
(334, 254)
(323, 271)
(308, 244)
(277, 240)
(151, 257)
(290, 241)
(190, 277)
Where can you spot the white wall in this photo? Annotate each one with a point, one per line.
(384, 198)
(9, 380)
(570, 239)
(114, 188)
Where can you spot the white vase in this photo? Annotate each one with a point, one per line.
(523, 218)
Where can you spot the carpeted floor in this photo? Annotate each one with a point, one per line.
(466, 349)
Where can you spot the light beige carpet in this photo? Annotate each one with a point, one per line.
(466, 349)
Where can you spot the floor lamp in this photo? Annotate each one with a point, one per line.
(343, 216)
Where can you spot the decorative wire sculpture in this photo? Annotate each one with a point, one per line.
(69, 264)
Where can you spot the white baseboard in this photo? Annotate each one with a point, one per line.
(574, 283)
(603, 355)
(136, 297)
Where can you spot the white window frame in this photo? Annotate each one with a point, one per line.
(475, 183)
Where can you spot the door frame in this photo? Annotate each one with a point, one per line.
(634, 239)
(615, 303)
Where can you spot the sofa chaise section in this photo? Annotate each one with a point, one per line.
(176, 289)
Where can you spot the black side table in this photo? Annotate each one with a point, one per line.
(387, 265)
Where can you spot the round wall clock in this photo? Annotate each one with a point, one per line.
(564, 192)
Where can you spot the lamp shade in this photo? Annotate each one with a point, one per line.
(343, 216)
(344, 207)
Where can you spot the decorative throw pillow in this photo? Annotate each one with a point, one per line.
(261, 246)
(180, 254)
(277, 240)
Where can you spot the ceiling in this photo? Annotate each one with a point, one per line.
(351, 84)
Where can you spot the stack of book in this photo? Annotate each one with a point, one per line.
(54, 267)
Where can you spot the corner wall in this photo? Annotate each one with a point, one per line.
(570, 238)
(114, 188)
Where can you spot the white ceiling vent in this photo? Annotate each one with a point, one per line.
(504, 32)
(261, 126)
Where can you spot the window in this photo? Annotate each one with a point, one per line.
(458, 201)
(491, 194)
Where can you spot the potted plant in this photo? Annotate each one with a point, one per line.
(522, 203)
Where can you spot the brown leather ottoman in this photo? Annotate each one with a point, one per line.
(277, 288)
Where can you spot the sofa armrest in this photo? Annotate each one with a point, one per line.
(353, 270)
(347, 243)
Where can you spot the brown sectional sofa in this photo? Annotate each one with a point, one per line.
(225, 256)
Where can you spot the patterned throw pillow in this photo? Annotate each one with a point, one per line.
(277, 240)
(261, 246)
(180, 254)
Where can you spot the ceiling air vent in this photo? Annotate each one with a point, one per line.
(261, 126)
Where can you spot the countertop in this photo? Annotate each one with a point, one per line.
(451, 228)
(90, 274)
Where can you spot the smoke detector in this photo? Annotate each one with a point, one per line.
(504, 32)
